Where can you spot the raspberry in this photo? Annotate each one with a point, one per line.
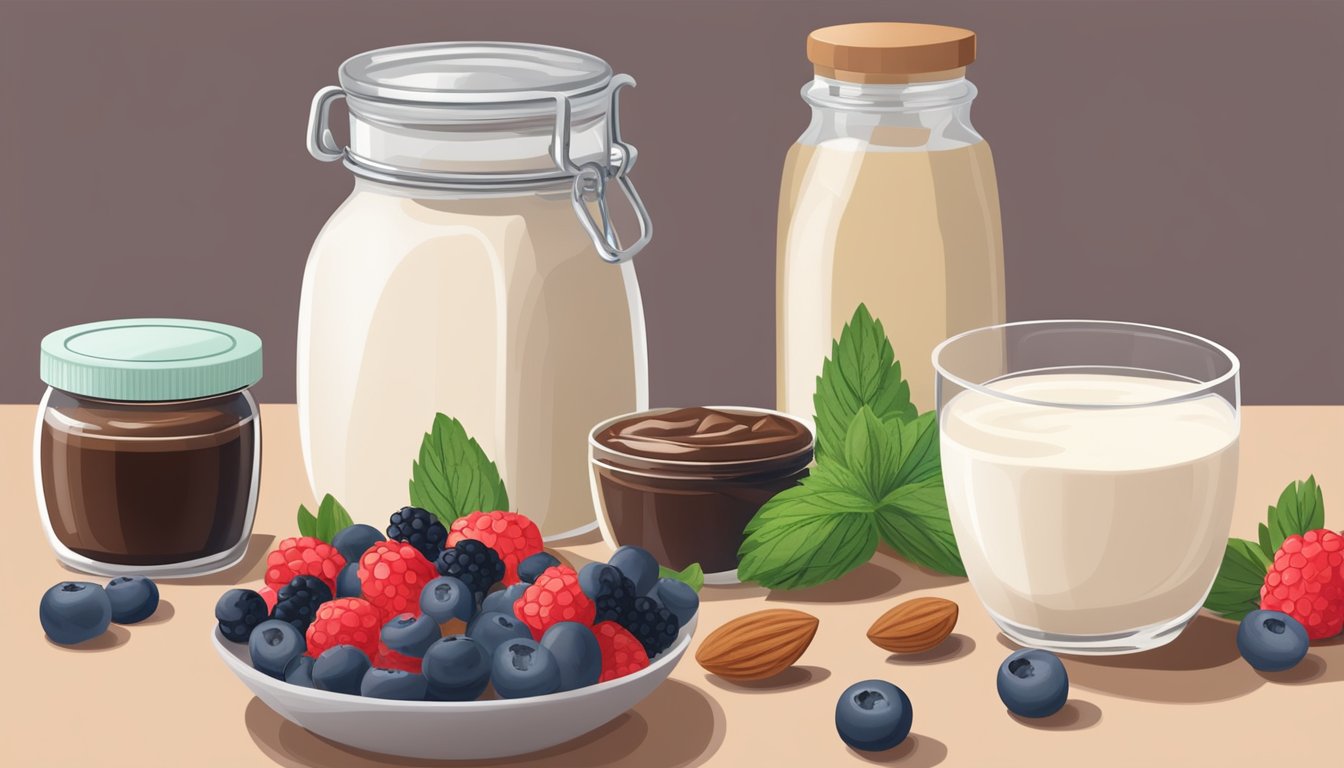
(390, 659)
(420, 528)
(392, 573)
(345, 621)
(621, 652)
(653, 626)
(510, 534)
(1306, 582)
(268, 595)
(303, 556)
(298, 600)
(477, 565)
(554, 597)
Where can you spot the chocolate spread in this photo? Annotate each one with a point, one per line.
(684, 483)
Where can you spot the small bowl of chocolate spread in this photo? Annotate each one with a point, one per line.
(684, 482)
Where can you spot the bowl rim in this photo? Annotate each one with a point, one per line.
(245, 670)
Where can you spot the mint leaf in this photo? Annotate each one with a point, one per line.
(307, 523)
(1236, 591)
(331, 518)
(806, 535)
(1301, 508)
(692, 575)
(913, 520)
(453, 476)
(862, 370)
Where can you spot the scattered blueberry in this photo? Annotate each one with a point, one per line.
(354, 540)
(447, 598)
(238, 611)
(297, 601)
(492, 629)
(74, 611)
(393, 684)
(532, 566)
(347, 581)
(638, 565)
(340, 669)
(873, 716)
(299, 671)
(1271, 640)
(410, 635)
(523, 668)
(677, 597)
(273, 645)
(133, 598)
(457, 668)
(502, 600)
(610, 590)
(576, 653)
(1033, 683)
(477, 565)
(654, 626)
(420, 528)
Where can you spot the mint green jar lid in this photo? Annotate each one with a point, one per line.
(151, 359)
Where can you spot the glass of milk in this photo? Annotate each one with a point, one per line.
(1090, 469)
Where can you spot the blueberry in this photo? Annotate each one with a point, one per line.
(447, 598)
(677, 597)
(492, 629)
(340, 669)
(347, 581)
(638, 565)
(524, 668)
(354, 540)
(457, 668)
(410, 635)
(531, 567)
(393, 684)
(299, 671)
(873, 716)
(1271, 641)
(134, 598)
(1033, 683)
(576, 653)
(74, 611)
(502, 601)
(273, 645)
(612, 593)
(238, 611)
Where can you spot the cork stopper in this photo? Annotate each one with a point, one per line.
(890, 52)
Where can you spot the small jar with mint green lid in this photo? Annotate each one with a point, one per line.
(147, 451)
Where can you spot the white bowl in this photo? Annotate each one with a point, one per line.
(453, 730)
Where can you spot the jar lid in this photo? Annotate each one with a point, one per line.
(888, 52)
(143, 359)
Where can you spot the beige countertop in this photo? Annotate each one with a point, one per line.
(155, 694)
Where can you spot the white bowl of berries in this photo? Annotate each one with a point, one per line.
(403, 654)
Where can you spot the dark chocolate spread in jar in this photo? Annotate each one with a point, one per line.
(684, 483)
(148, 445)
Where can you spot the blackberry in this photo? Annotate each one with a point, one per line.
(609, 589)
(297, 601)
(478, 566)
(238, 612)
(420, 528)
(653, 625)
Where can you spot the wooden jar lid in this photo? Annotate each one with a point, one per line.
(889, 52)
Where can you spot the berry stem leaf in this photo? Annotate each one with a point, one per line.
(1301, 508)
(1236, 590)
(861, 371)
(692, 575)
(453, 477)
(331, 519)
(307, 523)
(913, 520)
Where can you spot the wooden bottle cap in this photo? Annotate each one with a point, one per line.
(890, 52)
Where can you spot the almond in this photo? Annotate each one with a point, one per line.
(758, 645)
(915, 625)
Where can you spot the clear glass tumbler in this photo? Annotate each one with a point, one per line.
(1090, 469)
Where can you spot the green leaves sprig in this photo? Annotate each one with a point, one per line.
(453, 477)
(877, 476)
(330, 519)
(692, 575)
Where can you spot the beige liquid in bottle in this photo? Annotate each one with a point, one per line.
(914, 235)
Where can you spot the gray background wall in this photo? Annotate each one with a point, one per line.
(1176, 163)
